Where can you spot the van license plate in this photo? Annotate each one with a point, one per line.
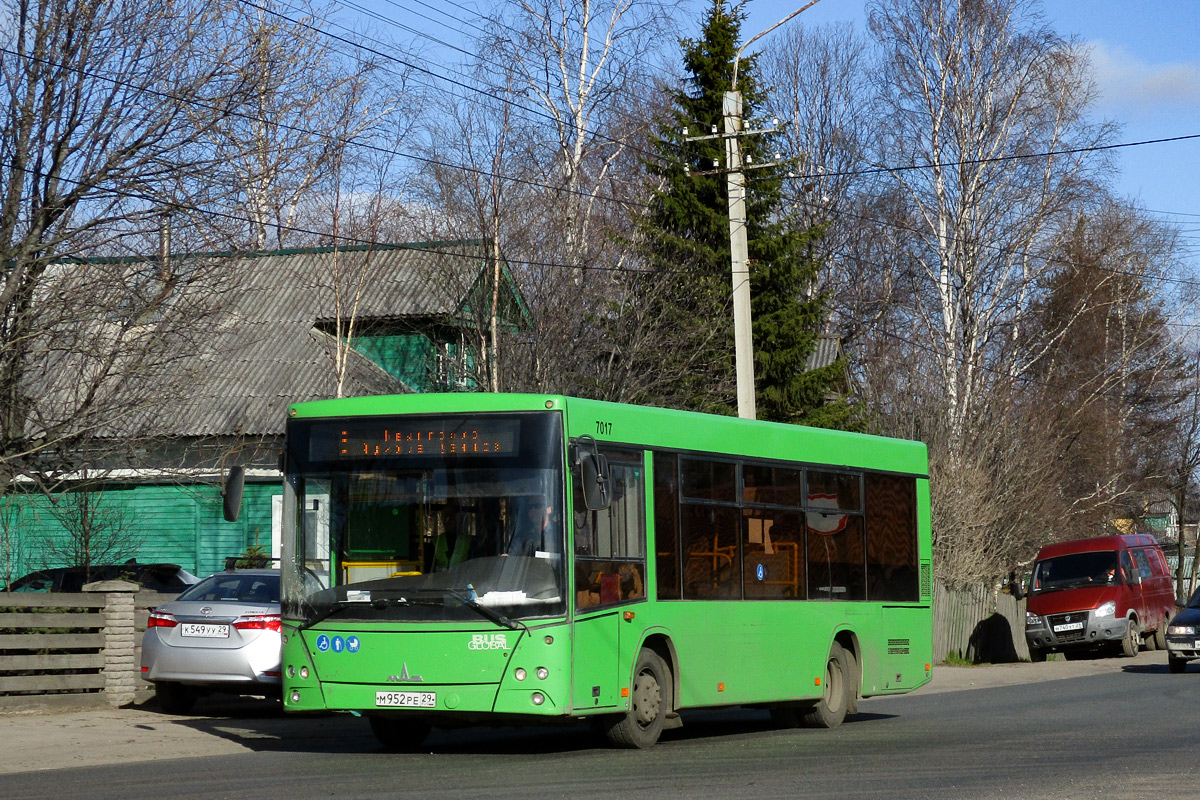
(406, 699)
(1069, 626)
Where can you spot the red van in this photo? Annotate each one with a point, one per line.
(1111, 590)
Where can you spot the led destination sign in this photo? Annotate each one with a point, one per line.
(400, 438)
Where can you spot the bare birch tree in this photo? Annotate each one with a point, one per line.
(985, 149)
(817, 79)
(107, 107)
(571, 69)
(305, 104)
(985, 132)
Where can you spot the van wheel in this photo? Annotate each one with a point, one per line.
(1129, 645)
(1160, 636)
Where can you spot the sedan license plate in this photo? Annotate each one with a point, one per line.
(406, 699)
(204, 630)
(1069, 626)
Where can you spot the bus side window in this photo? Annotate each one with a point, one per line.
(610, 558)
(891, 504)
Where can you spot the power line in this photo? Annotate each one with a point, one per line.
(354, 142)
(487, 94)
(996, 159)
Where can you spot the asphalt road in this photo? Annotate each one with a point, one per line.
(1104, 728)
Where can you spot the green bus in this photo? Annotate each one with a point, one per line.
(497, 559)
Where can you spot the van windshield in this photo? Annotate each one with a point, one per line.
(1075, 570)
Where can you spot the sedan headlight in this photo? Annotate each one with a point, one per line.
(1181, 630)
(1107, 610)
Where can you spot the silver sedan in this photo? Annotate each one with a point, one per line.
(222, 634)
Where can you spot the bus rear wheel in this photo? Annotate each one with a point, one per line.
(649, 704)
(397, 734)
(830, 710)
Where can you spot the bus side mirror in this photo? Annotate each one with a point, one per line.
(593, 469)
(235, 482)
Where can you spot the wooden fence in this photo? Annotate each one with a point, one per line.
(978, 624)
(76, 649)
(84, 649)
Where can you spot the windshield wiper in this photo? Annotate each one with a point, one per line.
(471, 600)
(338, 605)
(379, 604)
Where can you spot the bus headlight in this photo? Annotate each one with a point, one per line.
(543, 673)
(519, 673)
(538, 698)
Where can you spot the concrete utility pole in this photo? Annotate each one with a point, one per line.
(739, 254)
(739, 257)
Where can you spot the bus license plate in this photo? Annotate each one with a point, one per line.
(204, 630)
(406, 699)
(1070, 626)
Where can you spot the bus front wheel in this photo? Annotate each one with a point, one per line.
(830, 710)
(649, 704)
(399, 734)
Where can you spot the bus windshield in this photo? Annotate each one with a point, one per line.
(423, 518)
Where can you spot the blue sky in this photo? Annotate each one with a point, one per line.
(1147, 61)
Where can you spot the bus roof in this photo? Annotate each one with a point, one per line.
(654, 427)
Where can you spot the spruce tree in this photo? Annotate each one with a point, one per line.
(685, 246)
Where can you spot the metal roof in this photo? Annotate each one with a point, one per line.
(827, 351)
(269, 346)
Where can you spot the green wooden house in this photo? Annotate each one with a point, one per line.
(419, 312)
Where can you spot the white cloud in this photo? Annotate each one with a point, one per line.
(1127, 81)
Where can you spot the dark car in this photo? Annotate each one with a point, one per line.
(1183, 635)
(164, 578)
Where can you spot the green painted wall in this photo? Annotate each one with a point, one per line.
(412, 357)
(175, 524)
(408, 357)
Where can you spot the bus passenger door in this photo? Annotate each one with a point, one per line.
(609, 577)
